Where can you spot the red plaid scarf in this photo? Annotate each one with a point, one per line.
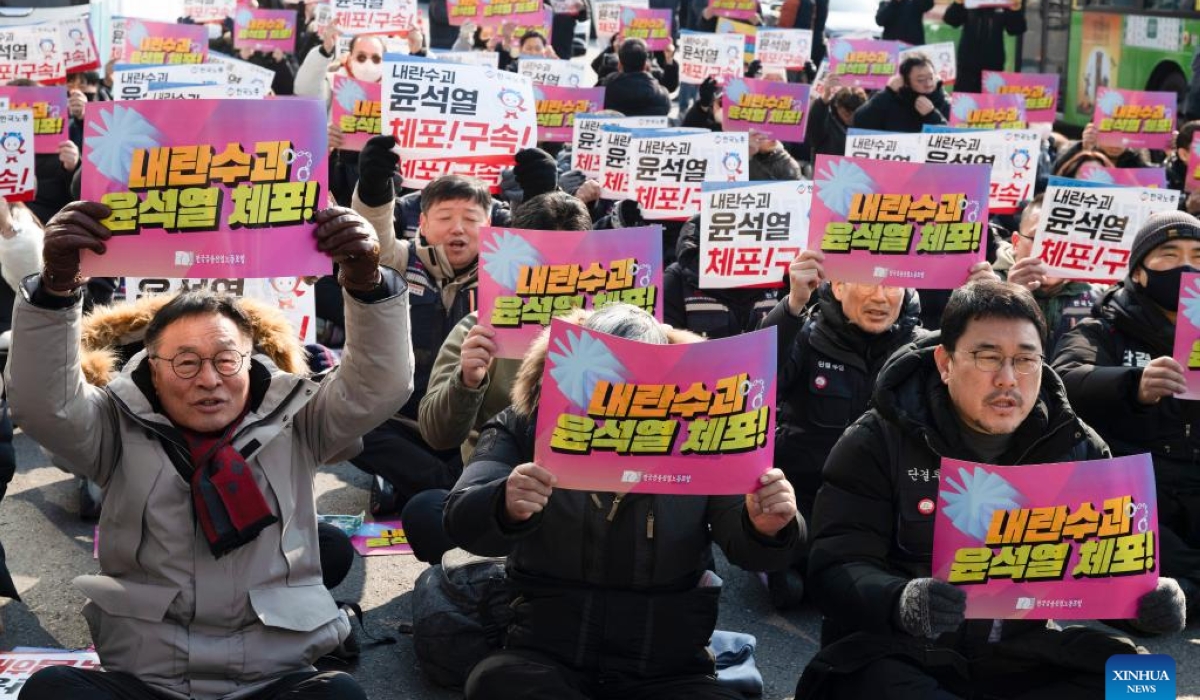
(229, 505)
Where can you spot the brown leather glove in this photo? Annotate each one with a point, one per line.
(350, 242)
(76, 227)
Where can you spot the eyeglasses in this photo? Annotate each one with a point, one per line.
(188, 364)
(988, 361)
(362, 57)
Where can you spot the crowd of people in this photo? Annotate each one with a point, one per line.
(203, 421)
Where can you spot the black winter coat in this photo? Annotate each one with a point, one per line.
(871, 537)
(981, 44)
(827, 371)
(1101, 362)
(640, 94)
(888, 110)
(903, 20)
(825, 132)
(601, 581)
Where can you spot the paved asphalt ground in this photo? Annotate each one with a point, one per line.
(48, 545)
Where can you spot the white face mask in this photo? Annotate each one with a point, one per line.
(368, 71)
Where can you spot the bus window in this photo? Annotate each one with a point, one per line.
(1121, 4)
(1169, 5)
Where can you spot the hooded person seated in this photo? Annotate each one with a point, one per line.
(611, 594)
(912, 99)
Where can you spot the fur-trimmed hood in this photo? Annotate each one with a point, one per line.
(113, 334)
(527, 387)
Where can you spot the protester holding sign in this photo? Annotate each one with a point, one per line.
(1180, 158)
(981, 43)
(1064, 303)
(911, 100)
(618, 606)
(442, 266)
(633, 90)
(830, 114)
(979, 392)
(470, 384)
(1119, 371)
(1120, 156)
(201, 404)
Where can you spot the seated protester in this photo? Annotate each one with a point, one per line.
(633, 90)
(606, 63)
(231, 562)
(1064, 303)
(912, 99)
(442, 269)
(709, 313)
(1120, 156)
(979, 392)
(82, 87)
(1120, 376)
(829, 354)
(610, 591)
(283, 65)
(1177, 160)
(468, 384)
(705, 112)
(831, 116)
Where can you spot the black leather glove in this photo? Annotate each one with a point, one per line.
(76, 227)
(377, 165)
(350, 242)
(755, 69)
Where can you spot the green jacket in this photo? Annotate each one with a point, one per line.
(451, 413)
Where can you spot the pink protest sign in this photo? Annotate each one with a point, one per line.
(355, 108)
(528, 277)
(864, 63)
(650, 25)
(213, 188)
(17, 180)
(381, 538)
(265, 30)
(624, 416)
(163, 43)
(494, 13)
(1040, 91)
(557, 107)
(1187, 334)
(1072, 540)
(776, 109)
(49, 107)
(987, 111)
(1122, 177)
(1192, 182)
(1134, 119)
(899, 224)
(735, 9)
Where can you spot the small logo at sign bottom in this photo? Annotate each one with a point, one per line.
(1139, 676)
(631, 477)
(185, 258)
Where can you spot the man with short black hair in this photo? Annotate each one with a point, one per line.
(632, 90)
(1119, 372)
(979, 392)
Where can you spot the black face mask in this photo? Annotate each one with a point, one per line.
(1163, 286)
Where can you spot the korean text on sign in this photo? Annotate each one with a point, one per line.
(17, 182)
(162, 43)
(620, 415)
(1073, 540)
(375, 16)
(587, 141)
(1134, 119)
(558, 106)
(528, 277)
(225, 188)
(1086, 232)
(899, 224)
(665, 172)
(750, 232)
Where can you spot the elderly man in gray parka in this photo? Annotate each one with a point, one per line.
(211, 581)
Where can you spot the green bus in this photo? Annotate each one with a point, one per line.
(1129, 44)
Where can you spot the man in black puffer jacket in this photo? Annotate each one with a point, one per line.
(1119, 372)
(980, 392)
(612, 597)
(911, 100)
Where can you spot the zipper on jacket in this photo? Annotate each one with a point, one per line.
(612, 512)
(650, 524)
